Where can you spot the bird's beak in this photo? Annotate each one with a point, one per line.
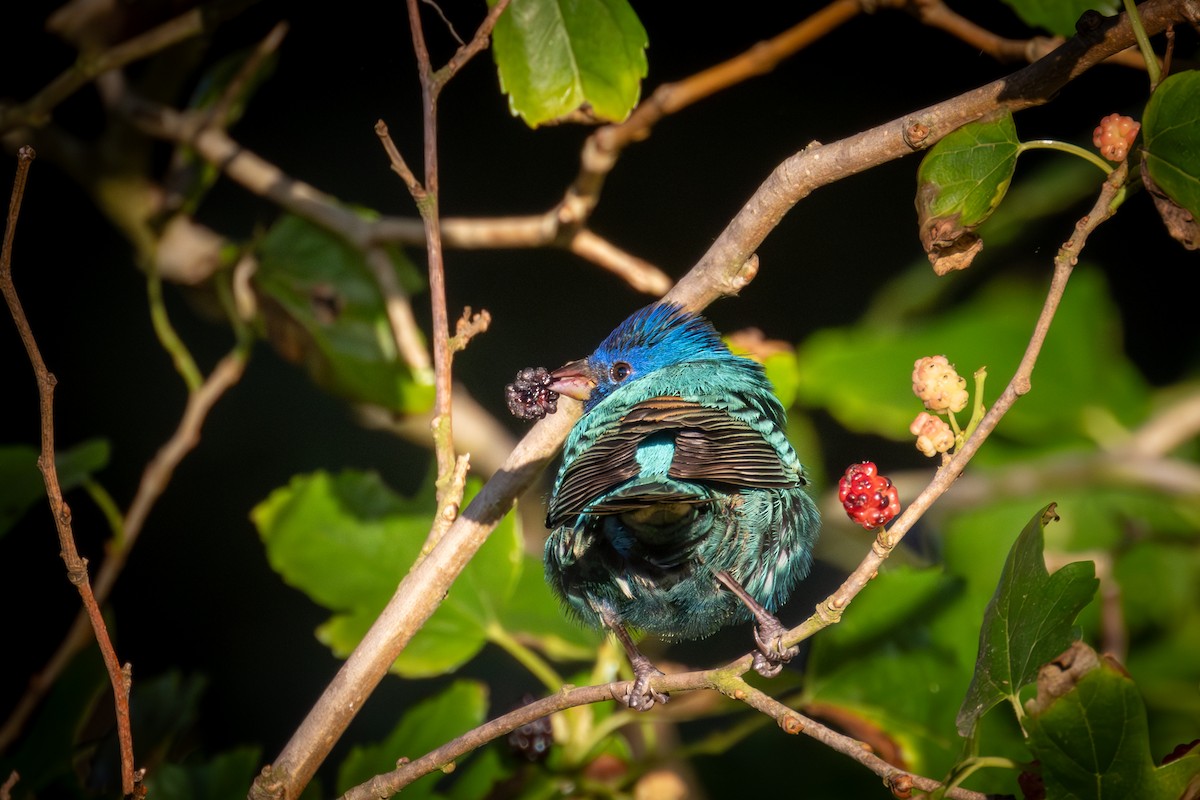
(575, 379)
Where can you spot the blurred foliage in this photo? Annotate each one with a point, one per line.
(322, 308)
(21, 482)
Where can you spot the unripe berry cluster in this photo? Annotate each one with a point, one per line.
(1114, 136)
(933, 434)
(869, 498)
(938, 385)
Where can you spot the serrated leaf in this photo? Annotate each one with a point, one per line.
(22, 484)
(1171, 132)
(1029, 621)
(431, 723)
(1059, 16)
(347, 540)
(1089, 733)
(556, 57)
(322, 308)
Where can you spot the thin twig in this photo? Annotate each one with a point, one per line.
(793, 722)
(7, 787)
(155, 479)
(77, 572)
(36, 111)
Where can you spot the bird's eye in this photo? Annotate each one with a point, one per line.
(620, 371)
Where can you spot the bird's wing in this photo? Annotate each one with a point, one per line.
(713, 446)
(710, 445)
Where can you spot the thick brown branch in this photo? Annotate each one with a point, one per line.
(819, 165)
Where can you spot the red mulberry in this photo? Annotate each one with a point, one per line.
(869, 498)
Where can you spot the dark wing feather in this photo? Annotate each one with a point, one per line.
(713, 446)
(710, 446)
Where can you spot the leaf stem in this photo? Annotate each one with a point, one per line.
(525, 656)
(185, 365)
(1066, 147)
(1143, 42)
(978, 409)
(965, 769)
(108, 507)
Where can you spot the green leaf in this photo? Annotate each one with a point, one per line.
(225, 775)
(1171, 132)
(783, 372)
(558, 56)
(1059, 16)
(82, 692)
(1088, 730)
(966, 174)
(429, 724)
(538, 616)
(884, 666)
(322, 307)
(21, 482)
(348, 540)
(484, 770)
(1028, 622)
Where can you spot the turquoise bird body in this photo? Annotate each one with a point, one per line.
(680, 505)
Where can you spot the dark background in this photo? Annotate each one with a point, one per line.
(197, 594)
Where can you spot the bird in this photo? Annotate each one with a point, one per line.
(679, 506)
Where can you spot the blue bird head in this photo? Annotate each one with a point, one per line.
(653, 337)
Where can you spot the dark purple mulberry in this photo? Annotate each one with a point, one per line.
(530, 396)
(533, 739)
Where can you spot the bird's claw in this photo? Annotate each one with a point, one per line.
(772, 654)
(640, 696)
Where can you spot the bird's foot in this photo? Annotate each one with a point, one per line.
(768, 631)
(640, 696)
(772, 654)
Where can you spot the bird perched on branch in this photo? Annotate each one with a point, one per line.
(680, 506)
